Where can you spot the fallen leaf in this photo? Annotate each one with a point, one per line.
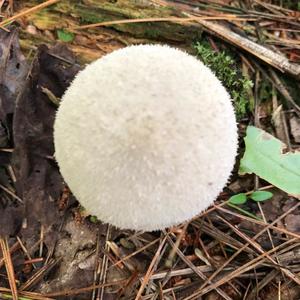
(13, 71)
(264, 156)
(38, 181)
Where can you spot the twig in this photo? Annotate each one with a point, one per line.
(167, 19)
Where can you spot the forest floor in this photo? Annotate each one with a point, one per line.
(245, 246)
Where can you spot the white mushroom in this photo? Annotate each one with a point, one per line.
(146, 137)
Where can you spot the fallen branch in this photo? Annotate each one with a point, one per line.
(270, 57)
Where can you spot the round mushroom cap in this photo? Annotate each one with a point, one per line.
(146, 137)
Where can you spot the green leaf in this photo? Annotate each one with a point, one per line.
(261, 196)
(65, 36)
(238, 199)
(264, 156)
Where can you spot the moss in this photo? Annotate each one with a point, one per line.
(88, 17)
(151, 33)
(225, 68)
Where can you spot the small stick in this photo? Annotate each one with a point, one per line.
(169, 19)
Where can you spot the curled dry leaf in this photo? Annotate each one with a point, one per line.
(38, 181)
(13, 71)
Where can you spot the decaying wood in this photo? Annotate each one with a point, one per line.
(67, 14)
(91, 44)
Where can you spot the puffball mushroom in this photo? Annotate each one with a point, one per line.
(146, 137)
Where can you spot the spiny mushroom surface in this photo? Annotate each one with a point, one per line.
(146, 137)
